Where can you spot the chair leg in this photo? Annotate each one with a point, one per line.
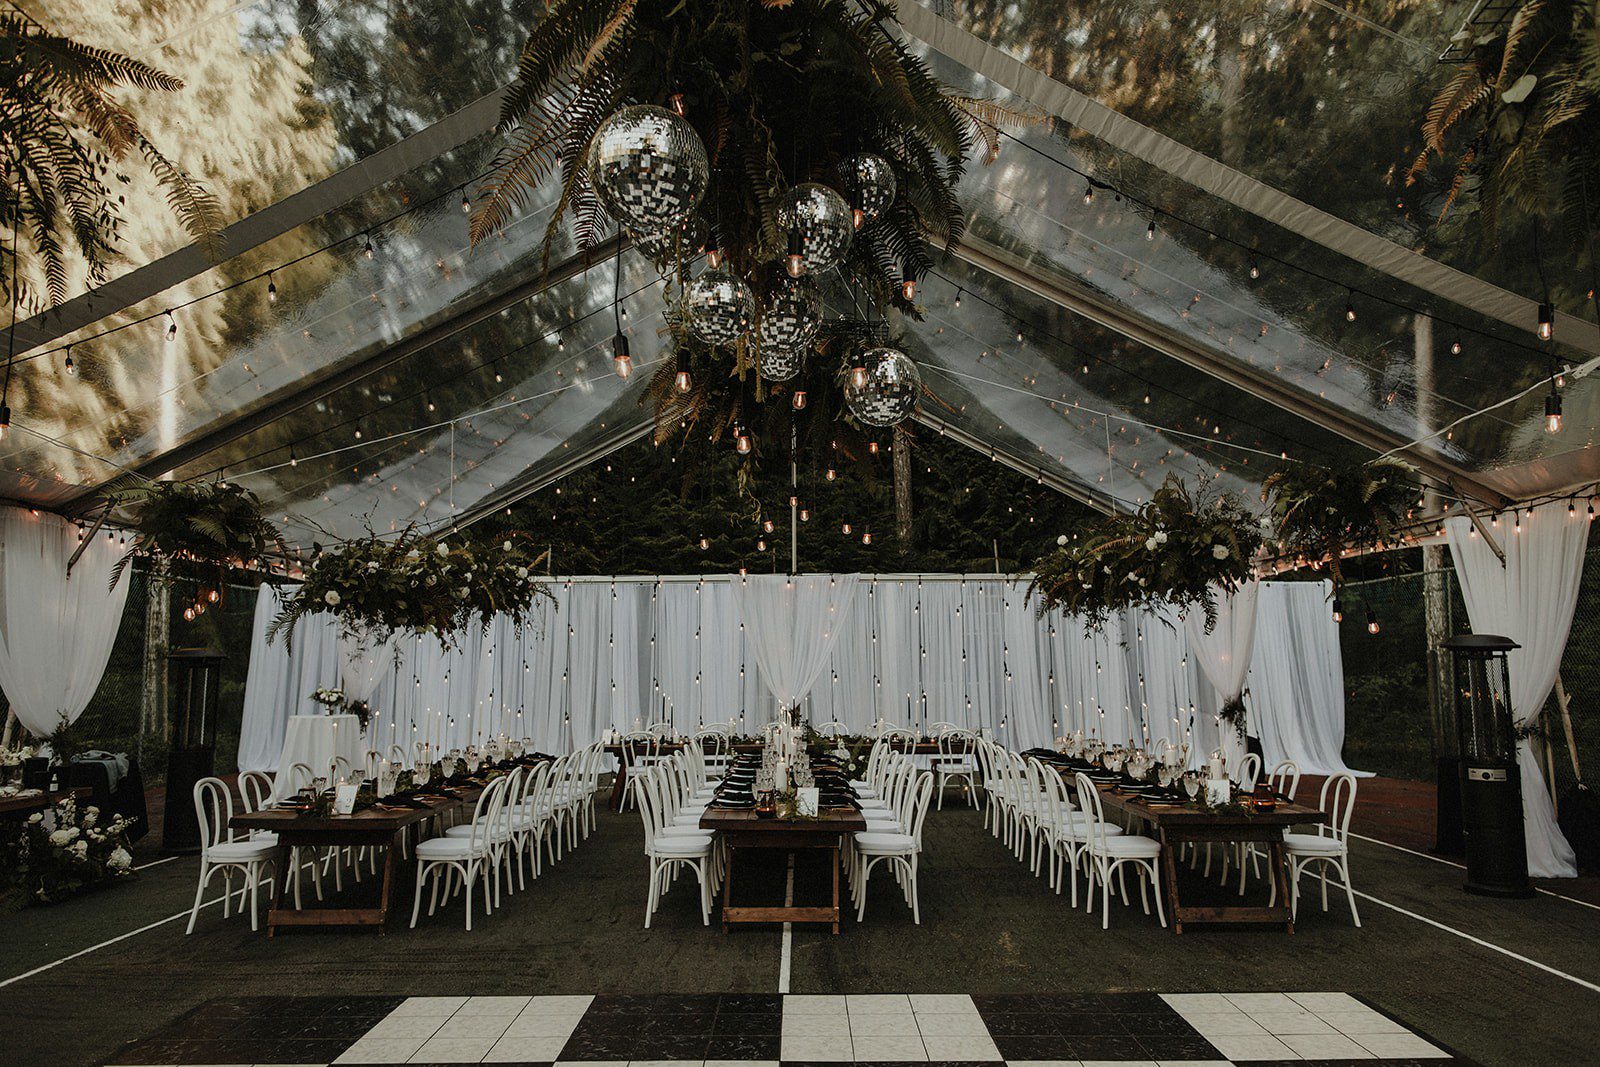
(416, 903)
(1155, 888)
(1349, 892)
(255, 888)
(199, 891)
(916, 909)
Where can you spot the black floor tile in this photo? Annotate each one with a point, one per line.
(747, 1023)
(1174, 1047)
(1032, 1048)
(1141, 1023)
(1099, 1048)
(1089, 1024)
(746, 1003)
(1022, 1024)
(744, 1047)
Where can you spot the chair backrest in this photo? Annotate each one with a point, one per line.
(213, 806)
(300, 776)
(1285, 778)
(1094, 812)
(918, 796)
(662, 729)
(898, 738)
(651, 811)
(1249, 771)
(939, 729)
(255, 789)
(1338, 800)
(342, 769)
(713, 740)
(639, 745)
(486, 812)
(397, 755)
(832, 729)
(957, 745)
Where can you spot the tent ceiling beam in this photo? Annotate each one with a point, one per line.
(1082, 301)
(310, 390)
(1232, 186)
(307, 205)
(1081, 493)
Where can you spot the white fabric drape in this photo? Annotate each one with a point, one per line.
(1296, 679)
(1224, 653)
(1529, 599)
(362, 665)
(910, 650)
(792, 624)
(56, 628)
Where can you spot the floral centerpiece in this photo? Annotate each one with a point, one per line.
(338, 704)
(47, 860)
(377, 587)
(1179, 549)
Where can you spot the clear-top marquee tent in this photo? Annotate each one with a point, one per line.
(1193, 314)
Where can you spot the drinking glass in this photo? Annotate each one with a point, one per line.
(1191, 784)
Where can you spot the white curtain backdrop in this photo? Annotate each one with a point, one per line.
(1296, 678)
(792, 624)
(909, 650)
(362, 665)
(1528, 599)
(1224, 654)
(56, 628)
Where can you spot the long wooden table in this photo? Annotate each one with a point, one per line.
(15, 807)
(744, 829)
(1176, 823)
(377, 825)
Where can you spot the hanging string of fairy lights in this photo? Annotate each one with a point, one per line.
(1093, 185)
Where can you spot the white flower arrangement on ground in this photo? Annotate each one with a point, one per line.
(50, 858)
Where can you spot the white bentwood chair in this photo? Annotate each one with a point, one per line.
(472, 857)
(670, 848)
(1108, 854)
(1328, 847)
(221, 852)
(902, 850)
(956, 762)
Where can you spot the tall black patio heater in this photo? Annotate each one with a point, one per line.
(196, 675)
(1491, 785)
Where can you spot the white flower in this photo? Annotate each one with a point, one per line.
(413, 556)
(463, 591)
(1150, 544)
(62, 838)
(1219, 551)
(331, 598)
(429, 580)
(1161, 537)
(506, 546)
(372, 565)
(444, 549)
(36, 818)
(1061, 540)
(81, 848)
(522, 572)
(120, 858)
(90, 815)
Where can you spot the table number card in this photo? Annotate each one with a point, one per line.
(807, 801)
(1217, 791)
(344, 799)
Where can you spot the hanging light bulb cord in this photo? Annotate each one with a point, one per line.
(16, 284)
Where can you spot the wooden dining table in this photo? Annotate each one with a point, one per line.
(744, 829)
(377, 825)
(1176, 823)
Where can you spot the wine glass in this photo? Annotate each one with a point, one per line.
(1191, 784)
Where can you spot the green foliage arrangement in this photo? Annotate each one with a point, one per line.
(209, 523)
(45, 861)
(60, 124)
(1179, 549)
(1319, 512)
(1522, 117)
(417, 584)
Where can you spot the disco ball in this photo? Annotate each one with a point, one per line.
(817, 222)
(648, 167)
(870, 182)
(672, 245)
(889, 389)
(779, 364)
(720, 307)
(792, 317)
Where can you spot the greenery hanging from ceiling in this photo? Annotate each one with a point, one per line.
(61, 125)
(1178, 550)
(207, 526)
(377, 587)
(1321, 512)
(1520, 118)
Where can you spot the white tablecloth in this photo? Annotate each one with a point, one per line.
(314, 740)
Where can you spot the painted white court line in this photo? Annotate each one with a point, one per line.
(1463, 866)
(785, 957)
(1574, 979)
(157, 863)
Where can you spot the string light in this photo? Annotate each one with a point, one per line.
(172, 327)
(1552, 411)
(621, 359)
(1255, 270)
(1372, 621)
(1338, 610)
(741, 441)
(1150, 231)
(1088, 195)
(957, 304)
(1547, 321)
(1350, 310)
(799, 399)
(367, 249)
(1455, 346)
(68, 365)
(794, 262)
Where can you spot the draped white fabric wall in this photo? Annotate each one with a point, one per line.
(56, 627)
(1226, 651)
(1529, 599)
(791, 624)
(625, 652)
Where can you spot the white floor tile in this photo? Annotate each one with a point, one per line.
(559, 1005)
(666, 1063)
(1193, 1063)
(888, 1048)
(813, 1004)
(740, 1063)
(1043, 1063)
(869, 1025)
(1225, 1024)
(943, 1004)
(525, 1049)
(473, 1028)
(815, 1026)
(1119, 1063)
(1254, 1002)
(1264, 1047)
(1325, 1047)
(453, 1050)
(1397, 1046)
(961, 1047)
(389, 1050)
(429, 1006)
(835, 1048)
(950, 1025)
(526, 1025)
(878, 1003)
(493, 1005)
(1291, 1022)
(1365, 1021)
(420, 1027)
(1184, 1003)
(591, 1063)
(1322, 1003)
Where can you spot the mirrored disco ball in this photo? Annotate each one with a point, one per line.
(673, 245)
(649, 167)
(779, 364)
(890, 390)
(720, 307)
(823, 220)
(869, 181)
(792, 317)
